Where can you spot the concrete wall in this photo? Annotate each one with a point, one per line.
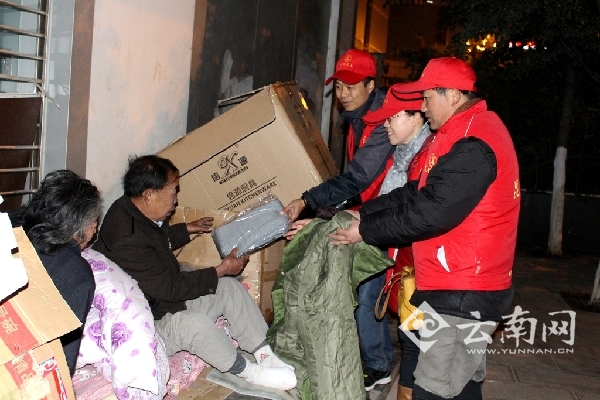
(139, 84)
(143, 73)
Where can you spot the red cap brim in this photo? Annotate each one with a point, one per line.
(348, 77)
(380, 115)
(412, 87)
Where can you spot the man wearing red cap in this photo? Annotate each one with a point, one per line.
(370, 157)
(461, 217)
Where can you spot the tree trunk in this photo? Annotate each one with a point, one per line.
(595, 299)
(558, 183)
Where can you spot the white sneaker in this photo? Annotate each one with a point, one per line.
(266, 358)
(273, 377)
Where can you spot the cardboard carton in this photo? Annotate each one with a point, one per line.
(32, 363)
(258, 275)
(268, 143)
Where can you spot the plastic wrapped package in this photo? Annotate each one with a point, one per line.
(252, 228)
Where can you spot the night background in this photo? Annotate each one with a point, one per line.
(526, 55)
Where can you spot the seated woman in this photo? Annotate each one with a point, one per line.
(60, 220)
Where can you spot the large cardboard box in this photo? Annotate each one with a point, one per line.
(258, 275)
(32, 362)
(270, 142)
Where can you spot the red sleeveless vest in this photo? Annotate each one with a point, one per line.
(477, 254)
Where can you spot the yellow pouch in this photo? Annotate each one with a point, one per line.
(405, 291)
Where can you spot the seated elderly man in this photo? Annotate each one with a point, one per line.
(136, 235)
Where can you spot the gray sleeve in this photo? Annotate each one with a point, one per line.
(369, 160)
(368, 163)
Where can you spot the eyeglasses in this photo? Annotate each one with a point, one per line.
(389, 120)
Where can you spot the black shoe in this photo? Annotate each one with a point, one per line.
(374, 377)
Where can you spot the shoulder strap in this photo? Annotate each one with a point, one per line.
(380, 311)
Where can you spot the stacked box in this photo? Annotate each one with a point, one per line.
(32, 362)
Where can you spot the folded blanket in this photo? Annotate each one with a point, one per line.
(251, 230)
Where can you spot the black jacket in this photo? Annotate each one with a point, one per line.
(145, 251)
(73, 277)
(406, 215)
(367, 163)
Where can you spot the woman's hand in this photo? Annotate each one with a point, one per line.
(346, 236)
(296, 226)
(354, 213)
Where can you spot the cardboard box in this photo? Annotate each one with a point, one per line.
(32, 362)
(270, 142)
(258, 275)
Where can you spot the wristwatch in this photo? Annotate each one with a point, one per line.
(304, 200)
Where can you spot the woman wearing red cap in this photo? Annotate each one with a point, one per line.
(369, 158)
(409, 132)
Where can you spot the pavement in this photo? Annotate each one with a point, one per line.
(546, 352)
(557, 356)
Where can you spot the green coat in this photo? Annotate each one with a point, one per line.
(314, 296)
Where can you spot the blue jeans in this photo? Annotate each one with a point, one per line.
(408, 360)
(374, 336)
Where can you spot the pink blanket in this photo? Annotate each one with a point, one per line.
(185, 367)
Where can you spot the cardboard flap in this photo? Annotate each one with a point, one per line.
(294, 109)
(221, 133)
(36, 314)
(201, 252)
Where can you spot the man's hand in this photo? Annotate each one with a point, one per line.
(296, 226)
(202, 225)
(294, 209)
(231, 265)
(346, 236)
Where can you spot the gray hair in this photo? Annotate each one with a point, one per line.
(61, 210)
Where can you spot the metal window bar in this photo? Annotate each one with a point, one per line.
(21, 7)
(33, 170)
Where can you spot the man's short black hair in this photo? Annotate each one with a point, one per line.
(147, 172)
(470, 95)
(367, 80)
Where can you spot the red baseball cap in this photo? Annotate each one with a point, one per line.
(392, 105)
(444, 72)
(354, 66)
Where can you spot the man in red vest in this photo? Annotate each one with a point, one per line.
(461, 217)
(370, 157)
